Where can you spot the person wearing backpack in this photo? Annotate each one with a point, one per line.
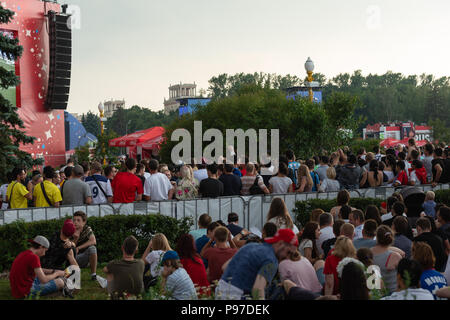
(100, 186)
(46, 193)
(17, 195)
(253, 183)
(310, 163)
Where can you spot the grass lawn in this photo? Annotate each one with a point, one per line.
(90, 290)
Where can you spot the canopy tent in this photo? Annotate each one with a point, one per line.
(389, 143)
(150, 137)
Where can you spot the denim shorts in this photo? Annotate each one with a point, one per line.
(43, 289)
(320, 276)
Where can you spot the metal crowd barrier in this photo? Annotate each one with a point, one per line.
(252, 210)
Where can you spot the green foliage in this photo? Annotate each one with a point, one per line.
(442, 196)
(91, 123)
(82, 154)
(11, 134)
(125, 121)
(303, 209)
(110, 231)
(305, 127)
(103, 150)
(441, 131)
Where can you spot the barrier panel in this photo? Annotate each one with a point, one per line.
(252, 210)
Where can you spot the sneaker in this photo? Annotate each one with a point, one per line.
(102, 281)
(67, 293)
(94, 277)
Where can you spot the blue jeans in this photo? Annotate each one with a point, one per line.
(43, 289)
(320, 276)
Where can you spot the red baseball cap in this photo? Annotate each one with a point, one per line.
(286, 235)
(68, 228)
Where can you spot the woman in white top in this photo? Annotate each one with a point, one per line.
(307, 246)
(153, 254)
(389, 170)
(330, 184)
(279, 215)
(281, 183)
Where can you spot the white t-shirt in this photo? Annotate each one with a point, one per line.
(326, 233)
(410, 294)
(3, 190)
(97, 195)
(413, 177)
(154, 259)
(306, 243)
(157, 187)
(280, 184)
(329, 185)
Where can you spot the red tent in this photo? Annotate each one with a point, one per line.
(139, 137)
(390, 142)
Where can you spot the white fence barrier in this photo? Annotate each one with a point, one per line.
(252, 210)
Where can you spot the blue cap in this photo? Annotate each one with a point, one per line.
(169, 255)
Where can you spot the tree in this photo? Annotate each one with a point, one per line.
(125, 121)
(11, 134)
(103, 150)
(91, 123)
(304, 127)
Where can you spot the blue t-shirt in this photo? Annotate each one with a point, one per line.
(199, 244)
(237, 172)
(432, 281)
(316, 180)
(429, 208)
(251, 260)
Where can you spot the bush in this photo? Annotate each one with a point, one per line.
(303, 208)
(110, 231)
(443, 196)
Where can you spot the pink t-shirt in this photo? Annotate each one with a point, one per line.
(300, 272)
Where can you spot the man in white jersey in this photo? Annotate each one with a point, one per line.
(3, 189)
(100, 185)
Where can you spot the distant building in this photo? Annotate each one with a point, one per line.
(303, 92)
(176, 92)
(398, 131)
(188, 105)
(112, 106)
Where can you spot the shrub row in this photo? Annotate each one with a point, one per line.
(303, 209)
(110, 231)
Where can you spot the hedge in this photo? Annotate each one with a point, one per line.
(303, 209)
(110, 231)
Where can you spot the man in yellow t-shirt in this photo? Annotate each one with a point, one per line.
(52, 191)
(17, 193)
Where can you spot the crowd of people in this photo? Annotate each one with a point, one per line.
(148, 180)
(345, 254)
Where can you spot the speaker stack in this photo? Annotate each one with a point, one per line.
(60, 35)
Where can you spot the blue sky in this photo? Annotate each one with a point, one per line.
(136, 49)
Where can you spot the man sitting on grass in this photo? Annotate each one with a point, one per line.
(62, 250)
(125, 276)
(84, 238)
(27, 276)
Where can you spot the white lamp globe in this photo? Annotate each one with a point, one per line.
(309, 65)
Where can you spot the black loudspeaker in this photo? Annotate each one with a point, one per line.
(60, 36)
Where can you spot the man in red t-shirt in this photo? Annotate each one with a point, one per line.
(219, 254)
(27, 276)
(127, 187)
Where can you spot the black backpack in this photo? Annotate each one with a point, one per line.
(255, 189)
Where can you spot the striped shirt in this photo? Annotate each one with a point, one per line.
(179, 286)
(248, 181)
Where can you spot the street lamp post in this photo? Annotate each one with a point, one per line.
(101, 108)
(309, 66)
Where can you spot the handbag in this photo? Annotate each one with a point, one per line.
(255, 188)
